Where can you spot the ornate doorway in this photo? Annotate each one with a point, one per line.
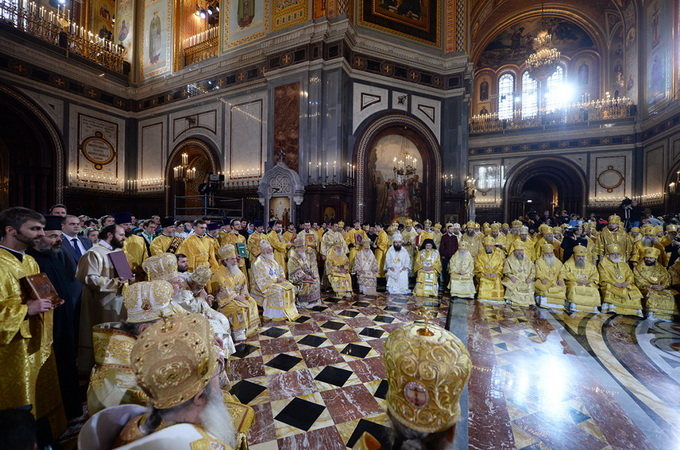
(31, 155)
(541, 184)
(399, 167)
(201, 159)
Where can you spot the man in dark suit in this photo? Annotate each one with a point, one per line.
(73, 247)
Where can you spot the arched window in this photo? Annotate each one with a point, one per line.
(529, 96)
(554, 97)
(506, 96)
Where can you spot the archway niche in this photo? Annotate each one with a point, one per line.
(201, 157)
(383, 195)
(549, 183)
(31, 154)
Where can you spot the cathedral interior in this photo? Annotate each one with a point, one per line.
(376, 111)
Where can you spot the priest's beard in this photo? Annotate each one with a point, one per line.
(26, 240)
(44, 247)
(519, 257)
(549, 260)
(397, 247)
(269, 256)
(234, 269)
(215, 417)
(116, 243)
(650, 263)
(648, 242)
(514, 232)
(580, 263)
(615, 260)
(549, 238)
(471, 233)
(488, 250)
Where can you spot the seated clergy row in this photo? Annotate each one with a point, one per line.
(576, 285)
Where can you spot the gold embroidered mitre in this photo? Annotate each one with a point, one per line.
(226, 252)
(201, 275)
(148, 300)
(427, 369)
(161, 267)
(175, 359)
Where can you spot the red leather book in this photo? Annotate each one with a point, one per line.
(39, 286)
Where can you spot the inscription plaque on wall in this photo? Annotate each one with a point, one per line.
(97, 151)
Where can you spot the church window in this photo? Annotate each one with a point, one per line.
(506, 96)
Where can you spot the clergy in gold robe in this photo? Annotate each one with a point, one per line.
(614, 234)
(427, 267)
(519, 276)
(529, 246)
(166, 242)
(471, 239)
(582, 279)
(489, 271)
(112, 381)
(366, 269)
(253, 244)
(654, 283)
(619, 293)
(547, 237)
(437, 234)
(330, 239)
(381, 245)
(461, 273)
(135, 247)
(229, 286)
(303, 272)
(354, 238)
(408, 239)
(279, 245)
(199, 248)
(337, 270)
(649, 240)
(29, 370)
(271, 290)
(549, 285)
(498, 237)
(235, 238)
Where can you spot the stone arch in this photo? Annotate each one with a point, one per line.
(201, 155)
(548, 175)
(35, 158)
(383, 124)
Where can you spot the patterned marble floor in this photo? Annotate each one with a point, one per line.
(541, 379)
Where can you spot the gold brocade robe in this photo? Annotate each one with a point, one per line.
(662, 303)
(113, 381)
(330, 238)
(436, 237)
(136, 252)
(626, 299)
(382, 244)
(638, 253)
(253, 245)
(161, 244)
(420, 239)
(234, 238)
(529, 250)
(502, 241)
(276, 298)
(354, 239)
(474, 243)
(519, 292)
(366, 267)
(29, 371)
(551, 275)
(242, 314)
(586, 297)
(280, 248)
(557, 247)
(461, 273)
(427, 281)
(489, 288)
(303, 272)
(337, 270)
(200, 252)
(620, 237)
(408, 242)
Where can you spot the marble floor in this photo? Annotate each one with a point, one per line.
(541, 379)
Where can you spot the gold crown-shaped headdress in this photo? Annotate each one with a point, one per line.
(427, 369)
(148, 300)
(175, 359)
(226, 252)
(161, 267)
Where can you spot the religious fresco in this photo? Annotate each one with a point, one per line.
(246, 22)
(414, 19)
(514, 45)
(156, 37)
(287, 124)
(103, 13)
(279, 209)
(396, 196)
(659, 51)
(125, 25)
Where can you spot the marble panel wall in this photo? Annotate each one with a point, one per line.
(429, 111)
(610, 177)
(153, 153)
(368, 100)
(246, 137)
(287, 124)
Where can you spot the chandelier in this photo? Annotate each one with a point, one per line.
(182, 172)
(542, 63)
